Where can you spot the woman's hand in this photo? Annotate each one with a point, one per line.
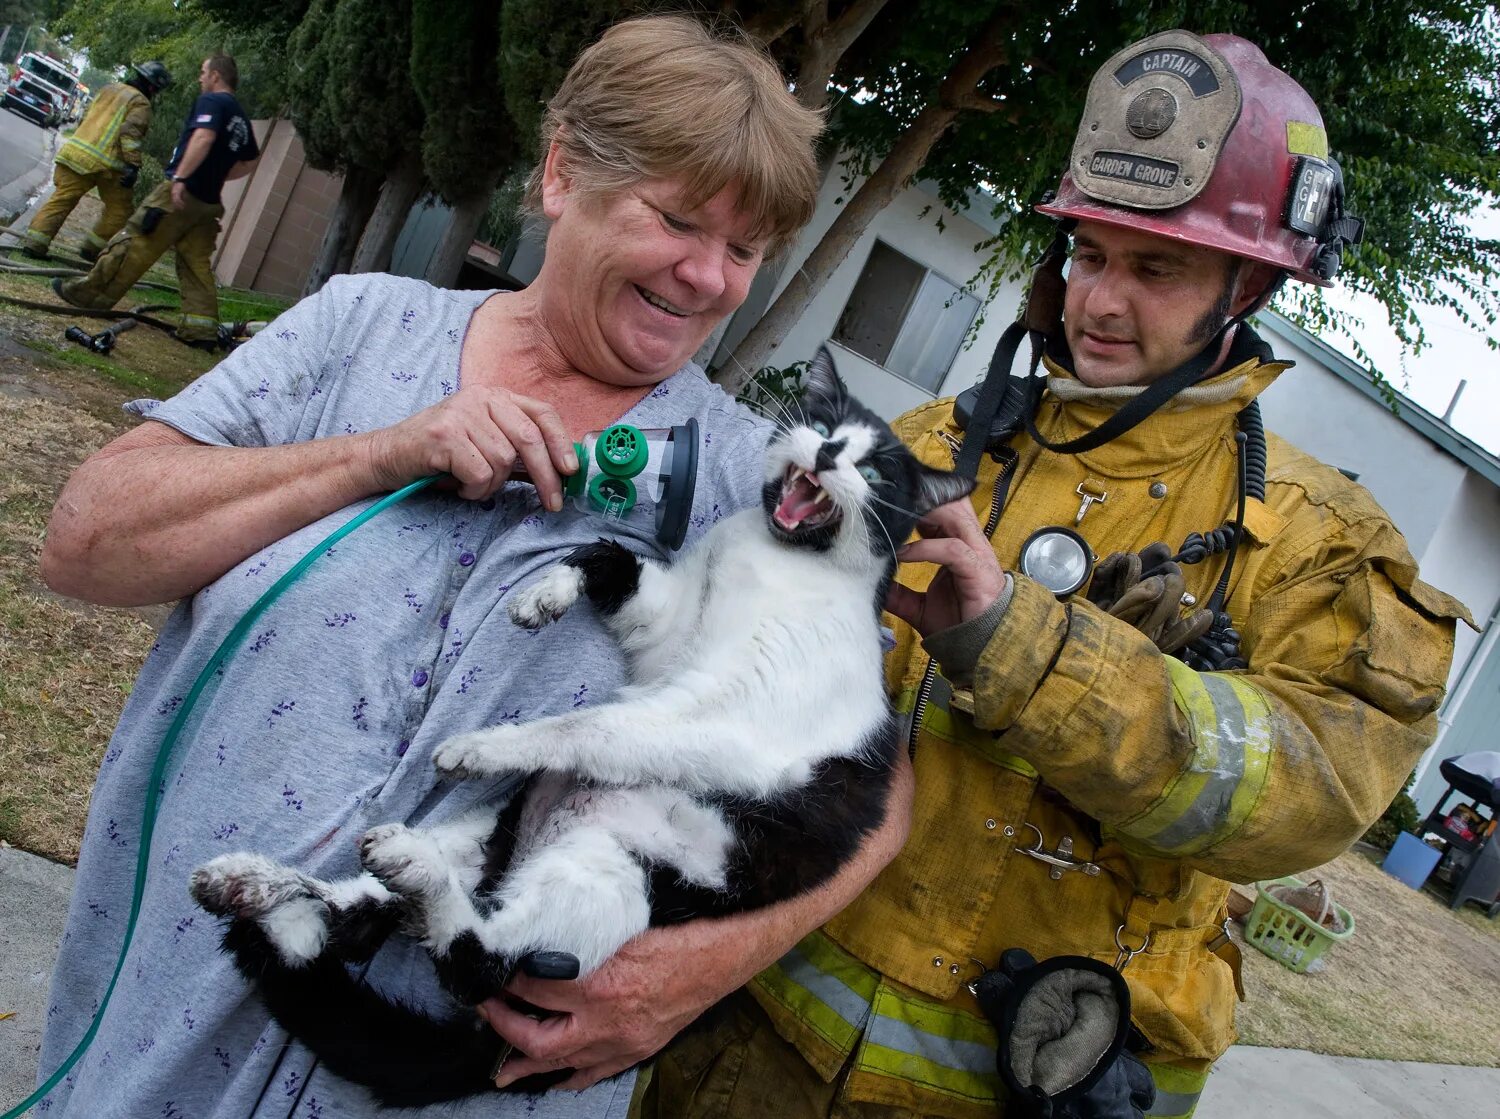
(970, 580)
(620, 1015)
(477, 435)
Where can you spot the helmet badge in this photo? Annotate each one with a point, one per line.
(1151, 114)
(1157, 116)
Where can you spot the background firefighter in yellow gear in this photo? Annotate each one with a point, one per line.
(1078, 791)
(183, 213)
(104, 154)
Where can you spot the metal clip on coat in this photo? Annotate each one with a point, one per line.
(1060, 860)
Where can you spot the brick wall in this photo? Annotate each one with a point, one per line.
(275, 218)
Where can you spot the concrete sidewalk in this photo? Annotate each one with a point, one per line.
(1247, 1084)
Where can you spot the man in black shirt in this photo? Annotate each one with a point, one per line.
(183, 213)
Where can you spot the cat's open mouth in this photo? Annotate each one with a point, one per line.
(804, 504)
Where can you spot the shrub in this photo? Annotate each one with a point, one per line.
(1401, 815)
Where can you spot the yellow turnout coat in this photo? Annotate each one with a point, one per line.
(1160, 784)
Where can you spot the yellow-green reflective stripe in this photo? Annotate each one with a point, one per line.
(1177, 1091)
(1230, 725)
(1173, 1105)
(959, 730)
(108, 160)
(198, 319)
(930, 1045)
(825, 987)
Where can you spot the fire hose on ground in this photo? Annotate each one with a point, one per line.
(230, 333)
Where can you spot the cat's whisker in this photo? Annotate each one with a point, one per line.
(893, 505)
(886, 533)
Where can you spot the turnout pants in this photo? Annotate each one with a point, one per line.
(191, 232)
(741, 1068)
(68, 186)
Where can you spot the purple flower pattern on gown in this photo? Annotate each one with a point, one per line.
(315, 730)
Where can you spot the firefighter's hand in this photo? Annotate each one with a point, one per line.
(477, 435)
(615, 1018)
(970, 580)
(129, 175)
(179, 196)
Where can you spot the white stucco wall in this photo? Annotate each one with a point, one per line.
(1415, 481)
(950, 254)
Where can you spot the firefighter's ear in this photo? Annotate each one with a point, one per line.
(557, 183)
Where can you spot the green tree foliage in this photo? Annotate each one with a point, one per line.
(539, 39)
(369, 91)
(468, 139)
(1406, 88)
(311, 46)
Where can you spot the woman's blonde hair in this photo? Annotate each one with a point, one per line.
(666, 97)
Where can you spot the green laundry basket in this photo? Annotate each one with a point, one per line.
(1286, 934)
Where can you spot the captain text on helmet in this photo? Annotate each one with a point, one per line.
(1233, 693)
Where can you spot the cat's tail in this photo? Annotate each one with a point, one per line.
(407, 1058)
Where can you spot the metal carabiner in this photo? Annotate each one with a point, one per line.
(1060, 860)
(1128, 954)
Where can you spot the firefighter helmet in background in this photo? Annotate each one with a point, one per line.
(155, 73)
(1202, 140)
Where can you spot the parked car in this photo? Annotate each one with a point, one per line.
(41, 89)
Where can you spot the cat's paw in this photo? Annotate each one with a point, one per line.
(407, 862)
(245, 885)
(547, 599)
(480, 754)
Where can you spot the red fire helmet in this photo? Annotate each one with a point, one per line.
(1202, 140)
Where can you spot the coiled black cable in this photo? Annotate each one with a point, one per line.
(1218, 650)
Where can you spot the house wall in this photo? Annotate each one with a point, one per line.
(1312, 407)
(275, 217)
(951, 254)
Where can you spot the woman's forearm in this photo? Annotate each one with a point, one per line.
(155, 516)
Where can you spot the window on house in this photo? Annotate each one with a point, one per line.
(906, 318)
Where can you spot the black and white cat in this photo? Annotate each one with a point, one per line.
(743, 764)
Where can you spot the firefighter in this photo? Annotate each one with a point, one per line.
(217, 144)
(1096, 761)
(104, 154)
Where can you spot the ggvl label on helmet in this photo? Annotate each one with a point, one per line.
(1156, 119)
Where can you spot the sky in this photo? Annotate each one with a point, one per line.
(1455, 352)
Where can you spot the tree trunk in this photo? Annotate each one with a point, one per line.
(380, 233)
(357, 199)
(448, 259)
(901, 164)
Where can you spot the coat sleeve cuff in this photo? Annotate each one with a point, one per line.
(958, 648)
(1019, 654)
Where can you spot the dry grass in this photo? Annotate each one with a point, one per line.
(65, 668)
(1416, 981)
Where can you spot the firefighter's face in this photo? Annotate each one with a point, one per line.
(638, 279)
(1138, 305)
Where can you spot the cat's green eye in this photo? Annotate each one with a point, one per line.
(869, 474)
(821, 428)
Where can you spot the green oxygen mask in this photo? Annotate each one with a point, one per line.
(641, 477)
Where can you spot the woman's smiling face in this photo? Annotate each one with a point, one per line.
(636, 280)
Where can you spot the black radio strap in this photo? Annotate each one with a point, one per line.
(991, 394)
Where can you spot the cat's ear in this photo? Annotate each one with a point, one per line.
(822, 381)
(938, 487)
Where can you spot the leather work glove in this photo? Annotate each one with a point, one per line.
(1063, 1027)
(130, 175)
(1146, 590)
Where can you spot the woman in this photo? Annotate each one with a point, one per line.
(674, 162)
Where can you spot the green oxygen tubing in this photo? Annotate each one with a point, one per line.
(226, 649)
